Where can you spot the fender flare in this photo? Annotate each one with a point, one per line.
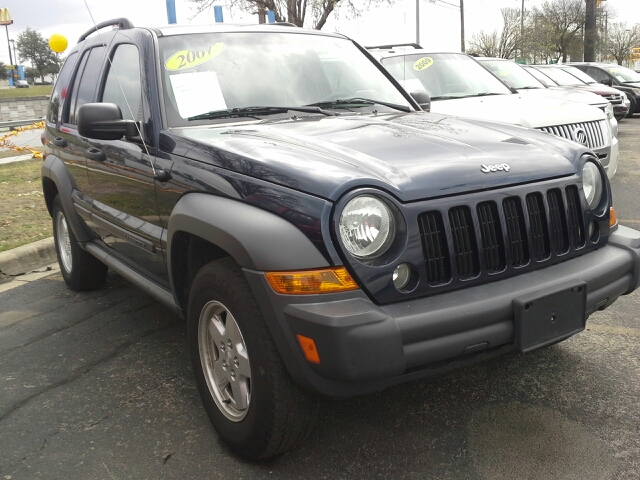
(54, 169)
(255, 238)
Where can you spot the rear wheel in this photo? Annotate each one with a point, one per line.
(81, 270)
(632, 109)
(251, 400)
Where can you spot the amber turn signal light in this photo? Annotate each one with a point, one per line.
(309, 349)
(613, 218)
(305, 282)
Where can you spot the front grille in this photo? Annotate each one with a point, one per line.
(539, 227)
(575, 220)
(521, 230)
(434, 244)
(614, 99)
(596, 132)
(492, 239)
(464, 242)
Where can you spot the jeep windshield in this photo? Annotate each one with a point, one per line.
(246, 71)
(512, 74)
(444, 75)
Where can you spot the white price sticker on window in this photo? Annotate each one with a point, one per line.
(197, 92)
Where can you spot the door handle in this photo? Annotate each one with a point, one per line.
(59, 142)
(95, 154)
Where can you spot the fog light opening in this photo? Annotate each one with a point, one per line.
(405, 278)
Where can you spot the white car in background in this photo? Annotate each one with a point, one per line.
(519, 78)
(458, 85)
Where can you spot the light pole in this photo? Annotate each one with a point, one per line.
(13, 45)
(5, 19)
(462, 26)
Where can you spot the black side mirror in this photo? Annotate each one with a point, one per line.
(608, 82)
(423, 99)
(103, 121)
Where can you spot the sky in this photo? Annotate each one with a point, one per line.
(381, 24)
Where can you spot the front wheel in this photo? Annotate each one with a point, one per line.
(81, 270)
(249, 396)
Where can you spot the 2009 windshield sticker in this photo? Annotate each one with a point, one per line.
(423, 63)
(185, 59)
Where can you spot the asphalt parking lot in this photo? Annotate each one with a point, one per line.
(99, 385)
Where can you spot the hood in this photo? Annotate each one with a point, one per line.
(630, 85)
(519, 109)
(569, 95)
(412, 156)
(599, 89)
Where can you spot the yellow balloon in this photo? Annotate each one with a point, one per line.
(58, 43)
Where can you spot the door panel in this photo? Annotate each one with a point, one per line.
(123, 193)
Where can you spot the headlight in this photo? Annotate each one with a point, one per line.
(592, 184)
(366, 227)
(636, 91)
(609, 111)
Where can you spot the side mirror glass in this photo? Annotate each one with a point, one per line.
(103, 121)
(423, 99)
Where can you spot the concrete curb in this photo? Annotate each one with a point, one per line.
(27, 258)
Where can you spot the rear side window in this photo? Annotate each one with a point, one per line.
(61, 89)
(123, 82)
(85, 85)
(597, 74)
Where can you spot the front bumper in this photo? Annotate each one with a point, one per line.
(366, 347)
(621, 110)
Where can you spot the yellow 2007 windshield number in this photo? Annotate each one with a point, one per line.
(184, 59)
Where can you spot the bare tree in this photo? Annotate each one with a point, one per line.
(503, 44)
(621, 40)
(313, 13)
(560, 23)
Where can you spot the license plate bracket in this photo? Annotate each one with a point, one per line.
(549, 316)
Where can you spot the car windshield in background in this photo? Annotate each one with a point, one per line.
(623, 74)
(444, 75)
(512, 74)
(561, 77)
(541, 77)
(224, 71)
(579, 74)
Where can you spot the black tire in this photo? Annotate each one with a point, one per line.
(279, 414)
(632, 109)
(81, 270)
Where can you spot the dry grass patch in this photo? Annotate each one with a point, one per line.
(23, 214)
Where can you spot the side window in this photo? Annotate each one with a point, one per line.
(123, 85)
(74, 89)
(597, 74)
(61, 89)
(84, 88)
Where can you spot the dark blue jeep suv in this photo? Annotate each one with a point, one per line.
(318, 230)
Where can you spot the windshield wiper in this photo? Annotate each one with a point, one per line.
(529, 88)
(253, 111)
(486, 94)
(357, 102)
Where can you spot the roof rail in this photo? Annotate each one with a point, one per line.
(123, 23)
(387, 47)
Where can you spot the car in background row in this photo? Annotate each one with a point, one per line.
(22, 84)
(460, 86)
(517, 77)
(616, 76)
(565, 78)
